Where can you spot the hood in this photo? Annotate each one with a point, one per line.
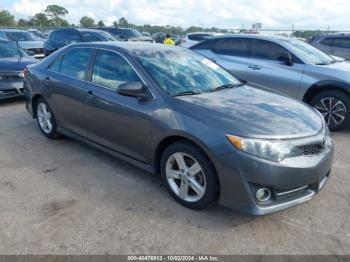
(141, 38)
(249, 112)
(15, 64)
(31, 44)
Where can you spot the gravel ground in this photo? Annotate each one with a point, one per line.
(63, 197)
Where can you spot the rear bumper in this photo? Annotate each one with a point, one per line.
(290, 184)
(11, 89)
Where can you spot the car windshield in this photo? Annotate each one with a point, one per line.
(182, 72)
(309, 53)
(10, 50)
(131, 32)
(90, 36)
(19, 36)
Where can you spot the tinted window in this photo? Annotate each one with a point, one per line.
(55, 66)
(92, 36)
(10, 50)
(19, 36)
(65, 37)
(111, 70)
(197, 37)
(75, 62)
(267, 50)
(232, 46)
(341, 42)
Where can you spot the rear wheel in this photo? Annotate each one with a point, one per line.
(46, 120)
(335, 108)
(189, 176)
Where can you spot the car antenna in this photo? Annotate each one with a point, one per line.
(18, 53)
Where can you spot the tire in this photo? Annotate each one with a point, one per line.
(340, 112)
(193, 182)
(46, 120)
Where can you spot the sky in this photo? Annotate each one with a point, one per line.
(273, 14)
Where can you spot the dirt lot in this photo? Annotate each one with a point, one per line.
(63, 197)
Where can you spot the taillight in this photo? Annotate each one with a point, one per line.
(25, 72)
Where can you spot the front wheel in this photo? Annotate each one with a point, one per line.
(46, 120)
(189, 175)
(335, 108)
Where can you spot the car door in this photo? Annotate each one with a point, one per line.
(230, 53)
(65, 87)
(266, 69)
(118, 122)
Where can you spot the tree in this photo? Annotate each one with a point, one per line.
(87, 21)
(123, 22)
(6, 19)
(100, 24)
(22, 22)
(40, 19)
(115, 24)
(55, 14)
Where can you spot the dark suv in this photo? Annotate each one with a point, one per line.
(62, 37)
(338, 45)
(127, 34)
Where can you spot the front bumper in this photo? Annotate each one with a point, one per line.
(291, 183)
(11, 89)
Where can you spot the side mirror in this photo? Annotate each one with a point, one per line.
(134, 89)
(286, 58)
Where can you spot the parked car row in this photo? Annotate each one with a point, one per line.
(170, 110)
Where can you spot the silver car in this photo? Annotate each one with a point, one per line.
(288, 66)
(338, 45)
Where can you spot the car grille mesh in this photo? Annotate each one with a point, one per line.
(307, 150)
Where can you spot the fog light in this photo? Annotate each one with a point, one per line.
(263, 194)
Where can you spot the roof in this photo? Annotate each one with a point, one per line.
(14, 30)
(253, 36)
(131, 47)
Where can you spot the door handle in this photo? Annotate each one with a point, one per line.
(90, 95)
(254, 67)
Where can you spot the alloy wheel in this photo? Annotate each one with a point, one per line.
(185, 177)
(333, 110)
(44, 118)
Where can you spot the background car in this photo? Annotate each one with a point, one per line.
(37, 34)
(338, 45)
(193, 38)
(61, 37)
(26, 41)
(127, 34)
(169, 110)
(289, 66)
(13, 60)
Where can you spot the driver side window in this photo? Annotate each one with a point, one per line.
(111, 70)
(267, 50)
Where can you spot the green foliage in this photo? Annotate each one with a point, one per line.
(87, 21)
(40, 20)
(55, 13)
(6, 19)
(100, 24)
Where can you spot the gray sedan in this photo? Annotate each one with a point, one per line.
(171, 111)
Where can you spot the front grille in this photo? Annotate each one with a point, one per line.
(37, 51)
(9, 92)
(308, 150)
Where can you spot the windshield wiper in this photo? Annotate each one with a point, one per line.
(226, 86)
(185, 93)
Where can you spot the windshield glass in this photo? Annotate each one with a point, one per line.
(90, 36)
(10, 50)
(308, 53)
(131, 32)
(183, 71)
(19, 36)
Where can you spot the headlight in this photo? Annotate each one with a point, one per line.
(274, 150)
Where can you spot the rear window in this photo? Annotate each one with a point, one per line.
(19, 36)
(197, 37)
(232, 46)
(340, 42)
(75, 62)
(65, 37)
